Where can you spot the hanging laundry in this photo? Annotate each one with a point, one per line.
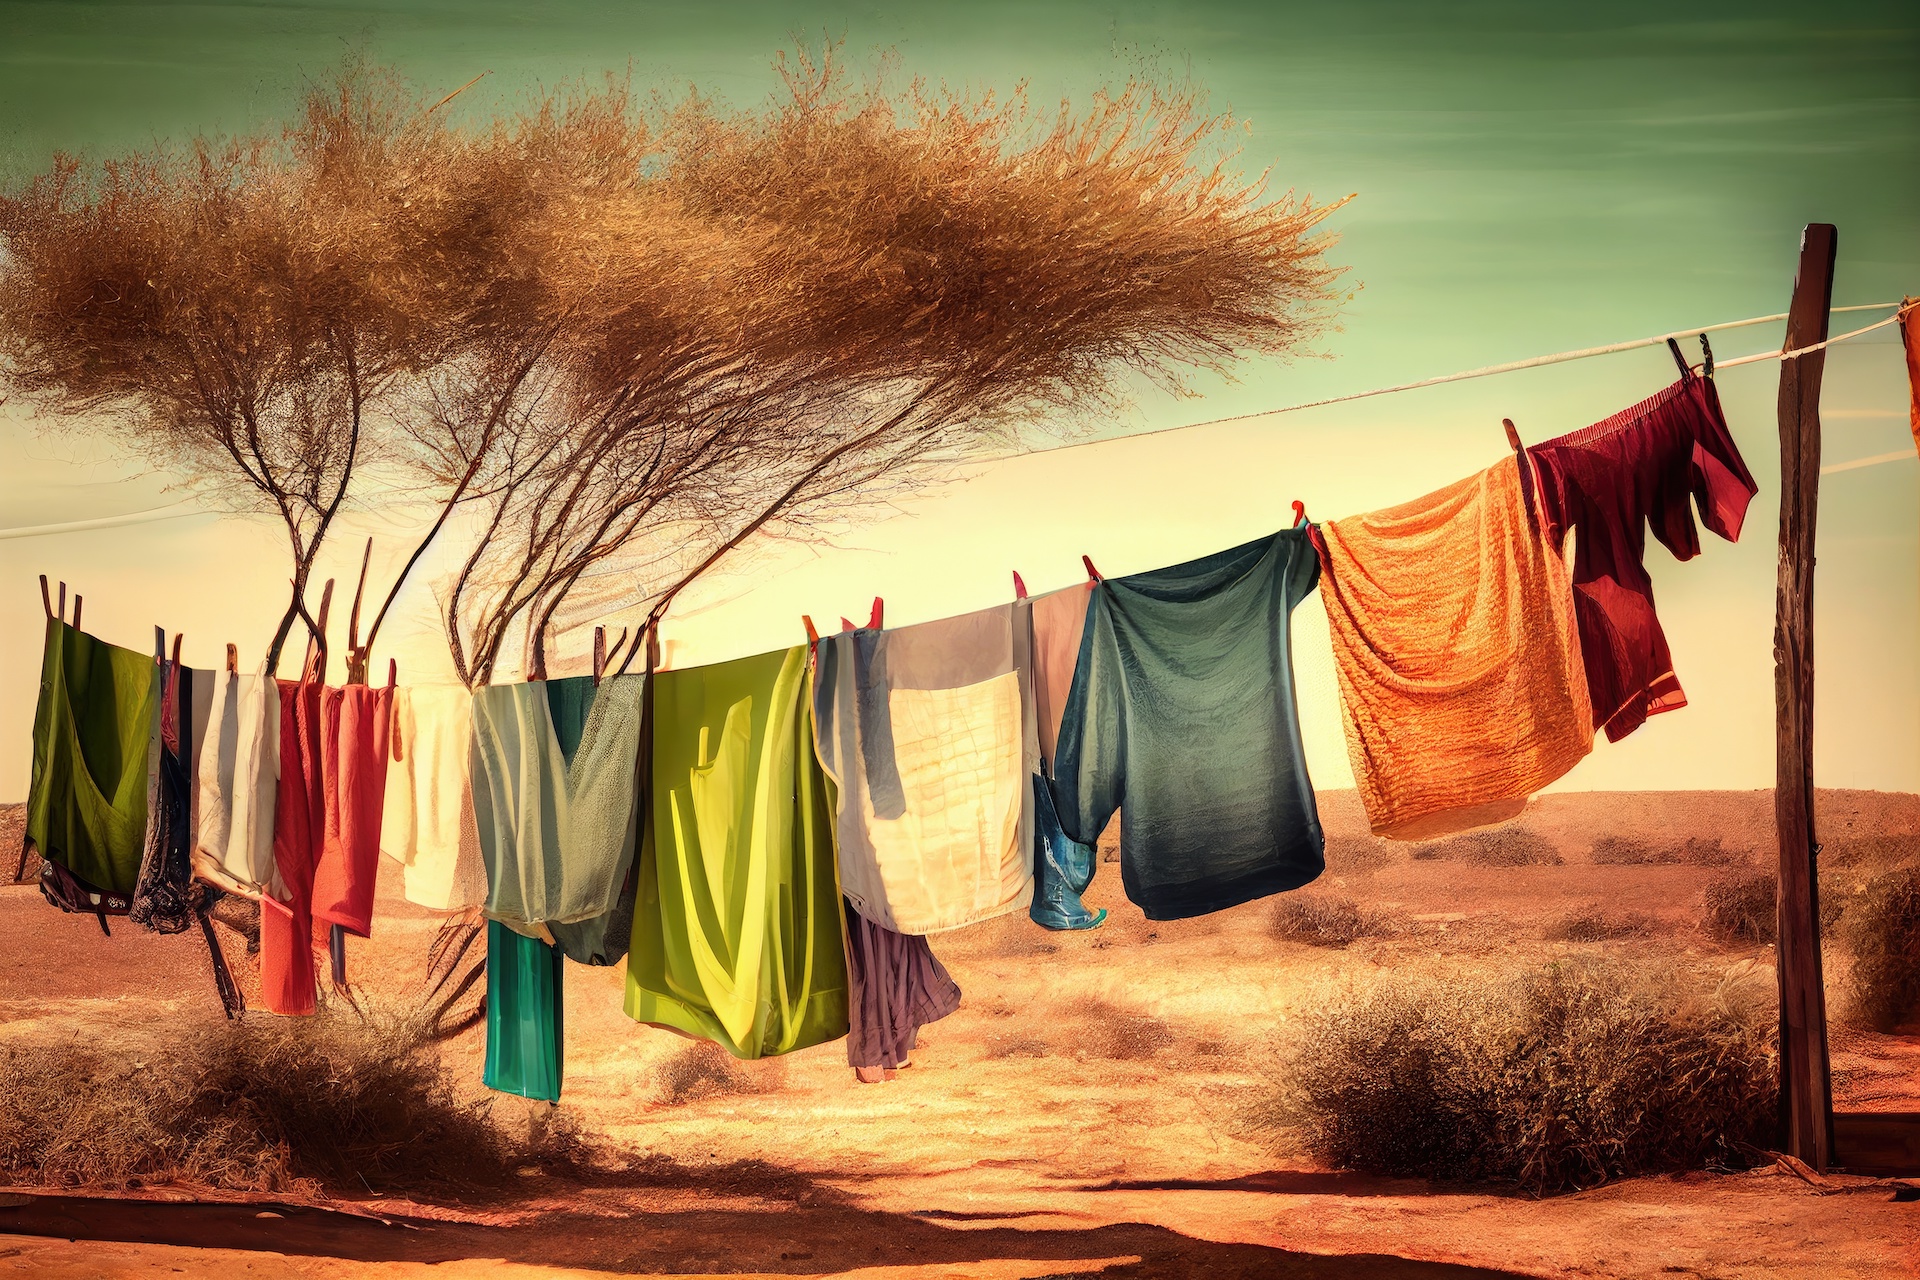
(1182, 717)
(555, 832)
(355, 723)
(1458, 656)
(87, 798)
(737, 934)
(1604, 485)
(929, 735)
(428, 825)
(299, 834)
(897, 986)
(165, 897)
(599, 939)
(199, 717)
(1062, 866)
(526, 1003)
(239, 773)
(1910, 339)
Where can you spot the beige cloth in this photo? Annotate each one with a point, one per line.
(955, 855)
(428, 824)
(1059, 619)
(239, 775)
(1458, 655)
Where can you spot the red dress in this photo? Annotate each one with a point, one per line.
(1647, 465)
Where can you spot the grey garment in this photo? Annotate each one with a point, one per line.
(555, 834)
(897, 986)
(862, 681)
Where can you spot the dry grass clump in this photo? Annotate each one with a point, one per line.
(1695, 851)
(1324, 920)
(703, 1070)
(1881, 927)
(1558, 1079)
(1740, 907)
(1357, 855)
(260, 1105)
(1500, 847)
(1593, 924)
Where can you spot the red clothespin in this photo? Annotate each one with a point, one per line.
(846, 623)
(878, 618)
(1019, 587)
(1513, 434)
(1093, 574)
(1299, 513)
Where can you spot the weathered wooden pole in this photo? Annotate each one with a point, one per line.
(1806, 1088)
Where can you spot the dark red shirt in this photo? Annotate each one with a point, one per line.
(1645, 466)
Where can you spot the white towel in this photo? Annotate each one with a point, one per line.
(427, 826)
(239, 771)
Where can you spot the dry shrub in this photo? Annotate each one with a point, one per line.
(261, 1105)
(1557, 1079)
(1324, 920)
(1740, 907)
(1881, 927)
(703, 1070)
(1592, 924)
(1696, 851)
(1883, 852)
(1122, 1036)
(1501, 847)
(1357, 855)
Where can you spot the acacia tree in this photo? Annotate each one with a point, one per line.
(240, 309)
(746, 320)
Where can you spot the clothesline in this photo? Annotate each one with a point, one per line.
(1532, 362)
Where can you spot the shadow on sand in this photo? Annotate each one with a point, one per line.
(795, 1231)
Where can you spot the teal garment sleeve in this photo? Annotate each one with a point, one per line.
(1182, 717)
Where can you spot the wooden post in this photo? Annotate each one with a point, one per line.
(1806, 1088)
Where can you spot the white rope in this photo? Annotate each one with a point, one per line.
(1797, 352)
(1533, 362)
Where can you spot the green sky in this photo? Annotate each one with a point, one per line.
(1531, 178)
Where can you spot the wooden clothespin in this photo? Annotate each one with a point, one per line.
(599, 654)
(1019, 587)
(46, 600)
(63, 602)
(356, 656)
(393, 672)
(233, 659)
(178, 636)
(76, 611)
(1299, 513)
(1093, 574)
(653, 645)
(1513, 434)
(159, 642)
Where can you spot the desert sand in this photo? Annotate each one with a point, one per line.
(1100, 1105)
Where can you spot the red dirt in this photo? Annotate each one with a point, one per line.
(1099, 1105)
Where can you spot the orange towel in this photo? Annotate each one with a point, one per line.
(1458, 654)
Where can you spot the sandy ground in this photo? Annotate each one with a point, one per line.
(1101, 1103)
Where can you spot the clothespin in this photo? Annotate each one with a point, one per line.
(159, 641)
(813, 637)
(76, 611)
(653, 645)
(1513, 434)
(599, 654)
(1019, 587)
(1093, 574)
(846, 623)
(393, 672)
(1299, 513)
(46, 601)
(178, 636)
(233, 660)
(877, 619)
(63, 602)
(1686, 370)
(1706, 356)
